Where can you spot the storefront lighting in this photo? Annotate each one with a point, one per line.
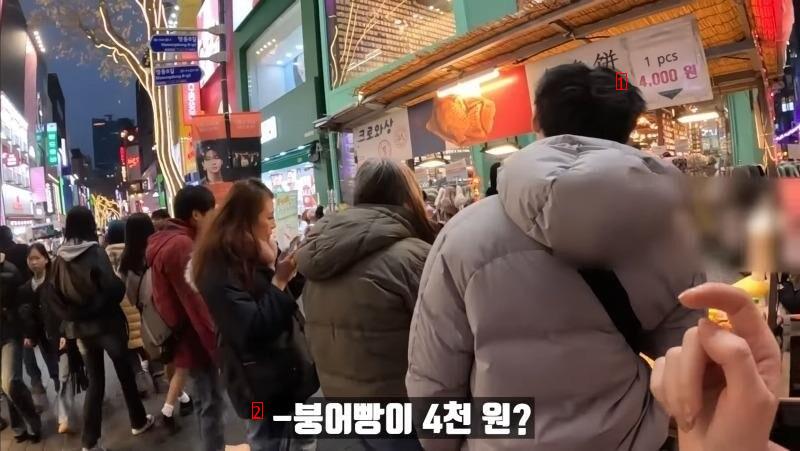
(282, 154)
(299, 47)
(280, 62)
(503, 149)
(698, 117)
(469, 87)
(432, 163)
(792, 131)
(123, 134)
(131, 138)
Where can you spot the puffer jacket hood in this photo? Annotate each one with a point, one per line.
(73, 249)
(590, 200)
(338, 241)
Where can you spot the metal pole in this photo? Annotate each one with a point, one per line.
(223, 46)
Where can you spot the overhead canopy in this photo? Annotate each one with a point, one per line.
(737, 57)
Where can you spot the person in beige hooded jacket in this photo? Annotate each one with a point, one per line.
(502, 309)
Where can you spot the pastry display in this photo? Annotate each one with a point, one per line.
(462, 121)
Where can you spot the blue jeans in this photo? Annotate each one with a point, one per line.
(266, 435)
(50, 357)
(208, 403)
(22, 412)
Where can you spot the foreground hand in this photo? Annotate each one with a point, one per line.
(28, 343)
(285, 270)
(62, 343)
(268, 249)
(721, 386)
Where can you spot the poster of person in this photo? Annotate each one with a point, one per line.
(220, 163)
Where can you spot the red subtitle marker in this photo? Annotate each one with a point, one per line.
(621, 81)
(257, 410)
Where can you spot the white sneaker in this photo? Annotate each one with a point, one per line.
(147, 425)
(95, 448)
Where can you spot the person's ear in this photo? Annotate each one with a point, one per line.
(535, 127)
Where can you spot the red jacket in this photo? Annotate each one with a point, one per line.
(168, 254)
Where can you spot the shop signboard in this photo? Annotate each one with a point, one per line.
(10, 156)
(472, 113)
(219, 169)
(389, 136)
(17, 201)
(133, 163)
(189, 158)
(286, 218)
(191, 100)
(38, 185)
(52, 144)
(665, 61)
(208, 43)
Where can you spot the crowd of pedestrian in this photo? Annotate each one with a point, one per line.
(551, 287)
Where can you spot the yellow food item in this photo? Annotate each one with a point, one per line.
(719, 318)
(755, 288)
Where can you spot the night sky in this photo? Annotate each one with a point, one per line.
(86, 94)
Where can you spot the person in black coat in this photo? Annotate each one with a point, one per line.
(42, 327)
(96, 320)
(25, 422)
(262, 351)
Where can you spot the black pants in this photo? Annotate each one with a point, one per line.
(116, 346)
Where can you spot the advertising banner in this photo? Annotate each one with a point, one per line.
(385, 137)
(208, 44)
(218, 169)
(191, 99)
(665, 61)
(133, 162)
(17, 201)
(286, 218)
(38, 185)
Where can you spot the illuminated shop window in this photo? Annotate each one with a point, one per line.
(276, 60)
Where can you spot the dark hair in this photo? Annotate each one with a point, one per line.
(6, 236)
(39, 247)
(320, 213)
(80, 225)
(385, 182)
(161, 213)
(138, 229)
(573, 99)
(193, 198)
(493, 175)
(229, 235)
(116, 232)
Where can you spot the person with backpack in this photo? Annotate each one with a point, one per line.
(43, 327)
(190, 334)
(115, 245)
(263, 353)
(90, 294)
(572, 270)
(25, 422)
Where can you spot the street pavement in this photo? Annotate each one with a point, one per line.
(116, 435)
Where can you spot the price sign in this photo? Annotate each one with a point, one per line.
(666, 62)
(669, 64)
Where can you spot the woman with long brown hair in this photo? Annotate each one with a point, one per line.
(362, 269)
(261, 347)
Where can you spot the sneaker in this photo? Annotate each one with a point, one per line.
(169, 424)
(25, 437)
(94, 448)
(187, 408)
(147, 425)
(63, 428)
(35, 438)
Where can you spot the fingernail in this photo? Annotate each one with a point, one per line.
(686, 292)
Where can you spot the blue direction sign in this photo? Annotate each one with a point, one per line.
(177, 75)
(173, 43)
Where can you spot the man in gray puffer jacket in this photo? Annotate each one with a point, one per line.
(502, 309)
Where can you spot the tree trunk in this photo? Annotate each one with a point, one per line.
(173, 178)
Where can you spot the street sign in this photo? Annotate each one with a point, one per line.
(178, 75)
(173, 43)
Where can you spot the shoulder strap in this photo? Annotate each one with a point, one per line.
(612, 295)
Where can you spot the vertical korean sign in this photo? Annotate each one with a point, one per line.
(666, 62)
(52, 144)
(286, 218)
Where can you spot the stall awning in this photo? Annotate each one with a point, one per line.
(736, 56)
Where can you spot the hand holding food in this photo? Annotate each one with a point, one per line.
(720, 385)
